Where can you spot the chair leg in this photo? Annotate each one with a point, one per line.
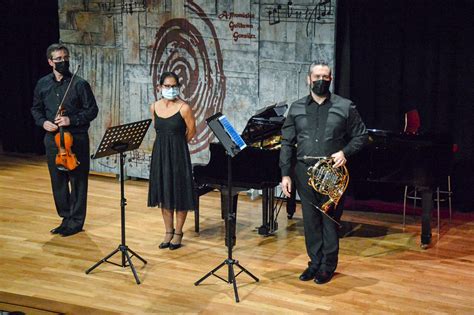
(449, 197)
(404, 205)
(437, 204)
(414, 199)
(414, 202)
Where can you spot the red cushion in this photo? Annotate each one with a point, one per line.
(412, 121)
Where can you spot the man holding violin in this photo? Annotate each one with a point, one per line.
(64, 106)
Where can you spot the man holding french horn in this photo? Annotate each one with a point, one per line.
(325, 129)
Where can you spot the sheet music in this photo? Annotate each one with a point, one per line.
(232, 132)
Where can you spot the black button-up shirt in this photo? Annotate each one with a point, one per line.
(80, 105)
(321, 130)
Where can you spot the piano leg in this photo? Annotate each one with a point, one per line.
(427, 207)
(271, 208)
(269, 224)
(263, 229)
(196, 215)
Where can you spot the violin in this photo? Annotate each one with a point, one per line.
(65, 159)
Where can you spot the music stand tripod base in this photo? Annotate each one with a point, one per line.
(231, 275)
(119, 139)
(233, 144)
(124, 250)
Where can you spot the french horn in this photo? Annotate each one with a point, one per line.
(328, 180)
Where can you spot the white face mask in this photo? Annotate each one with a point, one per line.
(171, 93)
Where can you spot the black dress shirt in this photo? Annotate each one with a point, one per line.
(80, 105)
(321, 130)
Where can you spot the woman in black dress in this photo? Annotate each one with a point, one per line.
(171, 179)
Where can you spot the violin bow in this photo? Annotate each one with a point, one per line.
(67, 90)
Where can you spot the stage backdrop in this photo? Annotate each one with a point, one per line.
(233, 56)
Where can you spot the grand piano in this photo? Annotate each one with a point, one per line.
(417, 160)
(254, 167)
(390, 157)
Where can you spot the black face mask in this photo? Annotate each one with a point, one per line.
(321, 87)
(62, 67)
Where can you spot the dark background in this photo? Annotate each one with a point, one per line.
(397, 55)
(27, 28)
(392, 56)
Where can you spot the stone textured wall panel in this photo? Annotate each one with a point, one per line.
(236, 56)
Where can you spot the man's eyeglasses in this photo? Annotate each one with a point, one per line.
(59, 59)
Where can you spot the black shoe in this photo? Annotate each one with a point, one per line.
(308, 274)
(323, 277)
(61, 227)
(70, 231)
(176, 246)
(166, 244)
(57, 230)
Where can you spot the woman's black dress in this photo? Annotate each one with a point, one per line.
(171, 179)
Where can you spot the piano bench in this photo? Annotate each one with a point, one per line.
(200, 190)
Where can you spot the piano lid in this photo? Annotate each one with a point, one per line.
(400, 158)
(265, 123)
(426, 138)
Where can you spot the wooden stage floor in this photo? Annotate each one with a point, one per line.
(382, 269)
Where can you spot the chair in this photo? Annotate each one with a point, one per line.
(413, 196)
(412, 122)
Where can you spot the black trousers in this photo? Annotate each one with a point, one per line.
(70, 188)
(321, 233)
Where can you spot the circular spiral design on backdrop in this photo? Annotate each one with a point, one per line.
(181, 48)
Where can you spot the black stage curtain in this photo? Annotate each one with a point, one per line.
(27, 28)
(392, 56)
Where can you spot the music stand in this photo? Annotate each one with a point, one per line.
(233, 144)
(119, 139)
